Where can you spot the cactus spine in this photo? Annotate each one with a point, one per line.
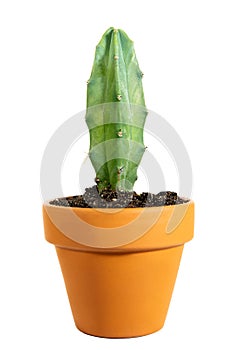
(115, 112)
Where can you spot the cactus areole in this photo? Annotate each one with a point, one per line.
(115, 112)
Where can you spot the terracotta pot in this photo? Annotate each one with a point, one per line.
(119, 285)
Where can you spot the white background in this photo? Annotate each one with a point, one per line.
(185, 51)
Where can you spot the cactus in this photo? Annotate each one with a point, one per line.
(115, 112)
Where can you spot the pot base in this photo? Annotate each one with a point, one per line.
(108, 337)
(120, 295)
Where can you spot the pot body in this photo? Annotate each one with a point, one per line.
(119, 295)
(120, 291)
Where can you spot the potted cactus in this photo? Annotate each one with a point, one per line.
(119, 251)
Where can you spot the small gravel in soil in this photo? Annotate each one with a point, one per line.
(118, 199)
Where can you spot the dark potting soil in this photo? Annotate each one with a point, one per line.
(118, 199)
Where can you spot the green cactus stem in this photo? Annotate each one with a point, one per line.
(115, 112)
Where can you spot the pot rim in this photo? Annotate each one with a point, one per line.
(142, 228)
